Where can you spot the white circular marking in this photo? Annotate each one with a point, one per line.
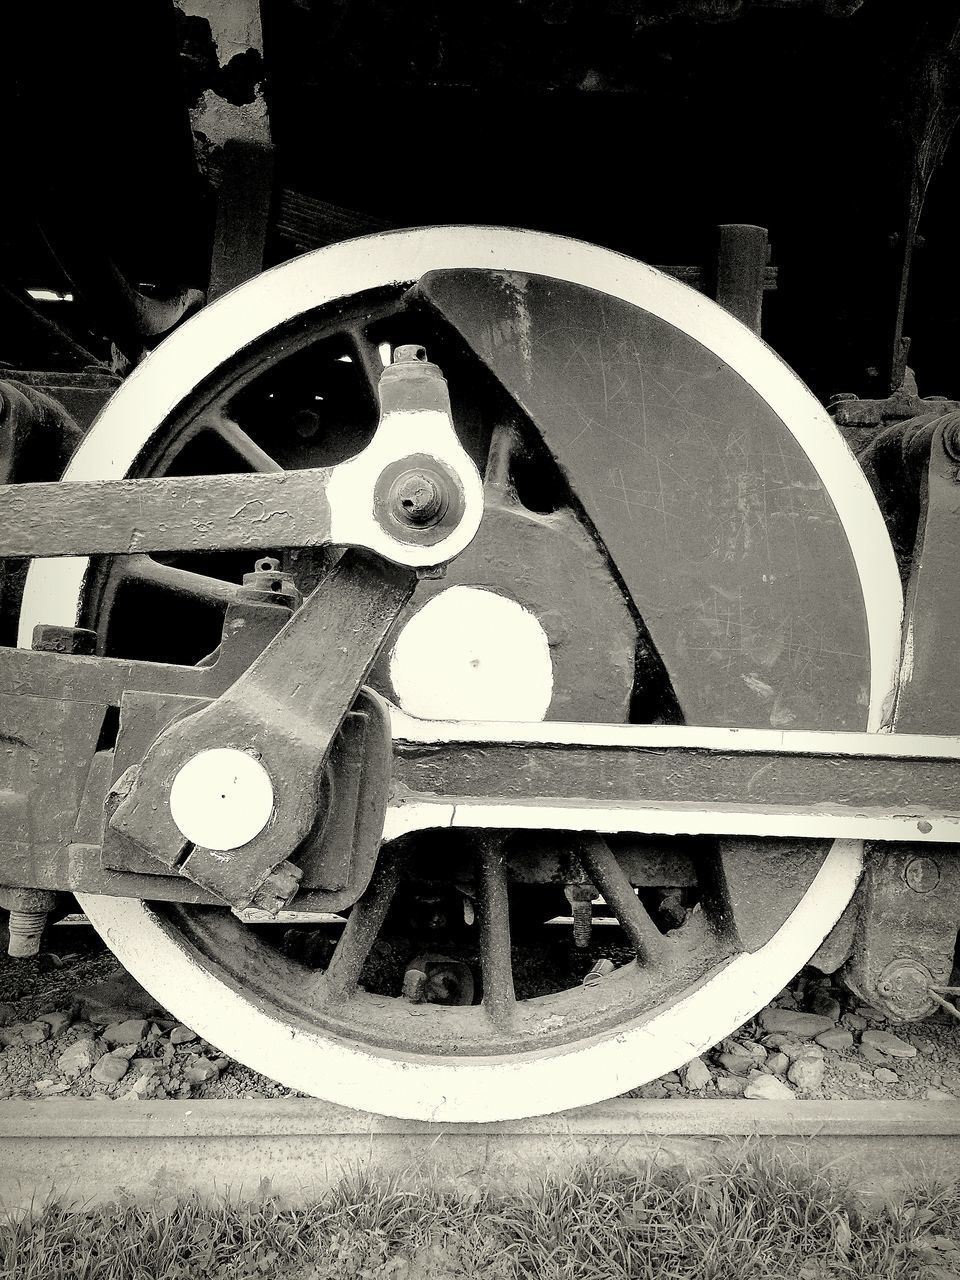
(222, 798)
(471, 654)
(476, 1088)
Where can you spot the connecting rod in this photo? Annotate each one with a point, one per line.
(413, 495)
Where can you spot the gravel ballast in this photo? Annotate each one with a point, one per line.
(74, 1023)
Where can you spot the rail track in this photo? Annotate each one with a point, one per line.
(88, 1152)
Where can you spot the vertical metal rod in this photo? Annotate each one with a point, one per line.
(368, 357)
(499, 997)
(741, 264)
(610, 878)
(360, 932)
(243, 214)
(505, 444)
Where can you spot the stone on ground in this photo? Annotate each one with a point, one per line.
(130, 1031)
(144, 1086)
(57, 1022)
(24, 1033)
(730, 1086)
(800, 1049)
(876, 1017)
(111, 1068)
(886, 1042)
(873, 1055)
(80, 1057)
(50, 1088)
(768, 1089)
(853, 1022)
(696, 1074)
(837, 1038)
(200, 1069)
(182, 1035)
(822, 1002)
(806, 1073)
(803, 1025)
(738, 1064)
(115, 999)
(885, 1075)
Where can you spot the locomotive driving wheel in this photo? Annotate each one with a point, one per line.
(673, 532)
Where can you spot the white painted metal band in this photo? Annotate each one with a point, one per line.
(403, 817)
(798, 742)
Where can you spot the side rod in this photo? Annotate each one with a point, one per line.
(674, 780)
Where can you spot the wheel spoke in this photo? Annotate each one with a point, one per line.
(360, 932)
(238, 440)
(367, 355)
(618, 893)
(505, 444)
(499, 998)
(183, 582)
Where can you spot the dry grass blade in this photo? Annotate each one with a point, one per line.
(753, 1216)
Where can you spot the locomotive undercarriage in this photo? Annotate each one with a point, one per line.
(614, 641)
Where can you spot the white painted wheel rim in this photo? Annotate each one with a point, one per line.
(474, 1088)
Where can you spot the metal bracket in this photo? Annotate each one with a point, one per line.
(226, 794)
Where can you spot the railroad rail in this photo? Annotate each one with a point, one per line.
(296, 1148)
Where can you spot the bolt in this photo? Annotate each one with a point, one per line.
(921, 874)
(580, 897)
(410, 352)
(26, 930)
(414, 982)
(418, 498)
(269, 584)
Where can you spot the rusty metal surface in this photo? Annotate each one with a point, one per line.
(905, 402)
(927, 697)
(907, 906)
(906, 929)
(175, 513)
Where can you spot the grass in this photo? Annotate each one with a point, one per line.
(752, 1217)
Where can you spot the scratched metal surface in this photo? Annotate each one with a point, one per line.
(722, 530)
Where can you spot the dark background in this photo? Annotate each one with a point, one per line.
(617, 122)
